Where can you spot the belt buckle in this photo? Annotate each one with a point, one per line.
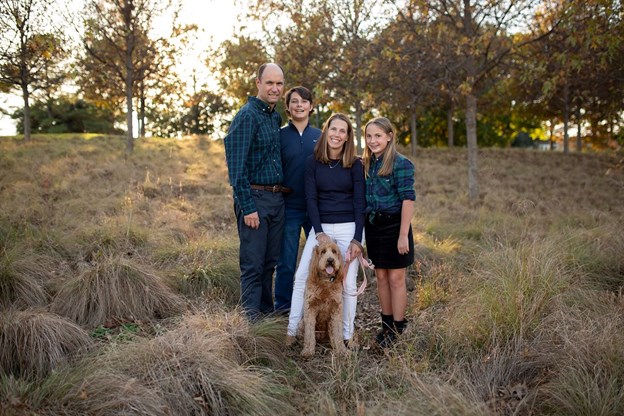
(275, 188)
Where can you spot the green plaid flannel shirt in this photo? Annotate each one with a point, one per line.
(252, 150)
(387, 193)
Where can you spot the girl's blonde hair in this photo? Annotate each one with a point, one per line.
(389, 153)
(348, 150)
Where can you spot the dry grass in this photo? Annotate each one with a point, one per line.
(209, 269)
(205, 367)
(583, 348)
(34, 342)
(20, 285)
(509, 290)
(116, 289)
(80, 390)
(516, 307)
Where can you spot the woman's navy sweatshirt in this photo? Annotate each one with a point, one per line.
(335, 194)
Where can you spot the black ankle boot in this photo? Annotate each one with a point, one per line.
(399, 326)
(397, 329)
(386, 326)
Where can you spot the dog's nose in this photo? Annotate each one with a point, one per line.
(330, 261)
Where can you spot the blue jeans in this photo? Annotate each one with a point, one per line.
(259, 252)
(296, 219)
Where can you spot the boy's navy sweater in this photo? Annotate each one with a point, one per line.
(295, 150)
(335, 195)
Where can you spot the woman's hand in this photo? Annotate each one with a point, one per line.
(353, 251)
(402, 244)
(323, 238)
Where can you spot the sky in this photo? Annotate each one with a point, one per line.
(217, 20)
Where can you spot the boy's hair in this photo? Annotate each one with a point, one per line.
(389, 153)
(305, 93)
(348, 148)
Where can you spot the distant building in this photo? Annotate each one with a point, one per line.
(522, 140)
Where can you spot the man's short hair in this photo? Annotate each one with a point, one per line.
(263, 67)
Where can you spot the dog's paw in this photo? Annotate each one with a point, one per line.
(342, 352)
(351, 345)
(307, 353)
(290, 340)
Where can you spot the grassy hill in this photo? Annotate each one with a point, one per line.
(119, 285)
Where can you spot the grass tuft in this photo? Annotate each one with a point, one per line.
(510, 289)
(80, 390)
(33, 342)
(20, 286)
(587, 364)
(197, 369)
(116, 289)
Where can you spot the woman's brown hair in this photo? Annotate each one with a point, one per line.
(348, 148)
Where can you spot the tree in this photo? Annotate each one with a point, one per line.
(480, 35)
(576, 72)
(237, 62)
(200, 109)
(120, 54)
(30, 51)
(410, 68)
(68, 114)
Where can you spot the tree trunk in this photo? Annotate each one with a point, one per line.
(129, 107)
(471, 109)
(566, 119)
(579, 139)
(450, 133)
(142, 112)
(414, 132)
(129, 135)
(551, 142)
(127, 13)
(471, 137)
(318, 117)
(26, 97)
(358, 127)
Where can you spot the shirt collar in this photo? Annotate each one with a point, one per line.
(292, 126)
(260, 105)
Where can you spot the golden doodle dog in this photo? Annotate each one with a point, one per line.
(322, 308)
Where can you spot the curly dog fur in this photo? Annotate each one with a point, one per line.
(322, 309)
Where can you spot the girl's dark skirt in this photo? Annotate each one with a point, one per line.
(382, 235)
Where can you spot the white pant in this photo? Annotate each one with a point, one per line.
(342, 234)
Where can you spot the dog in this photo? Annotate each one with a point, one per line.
(322, 308)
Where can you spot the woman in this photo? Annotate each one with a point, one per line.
(390, 199)
(335, 199)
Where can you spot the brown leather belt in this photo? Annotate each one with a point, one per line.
(272, 188)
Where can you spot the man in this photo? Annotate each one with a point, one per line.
(252, 150)
(297, 143)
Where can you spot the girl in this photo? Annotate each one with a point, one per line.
(390, 199)
(334, 188)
